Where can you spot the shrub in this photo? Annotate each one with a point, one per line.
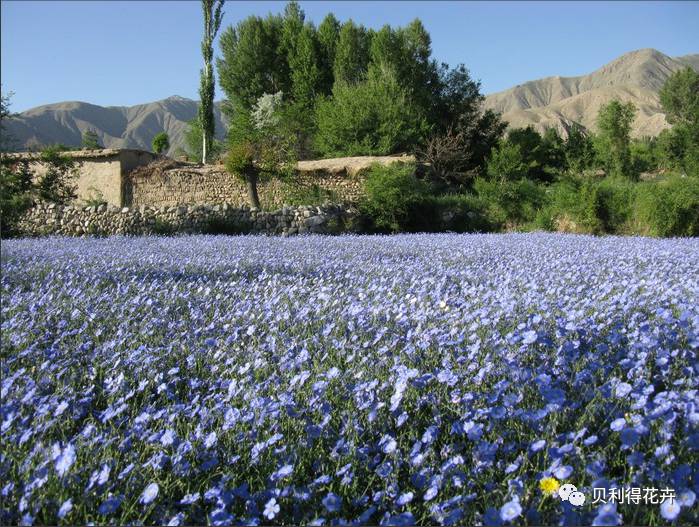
(394, 197)
(372, 117)
(161, 142)
(589, 205)
(669, 207)
(460, 213)
(511, 202)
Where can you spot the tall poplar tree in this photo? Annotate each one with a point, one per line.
(213, 15)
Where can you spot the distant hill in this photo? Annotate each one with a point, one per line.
(116, 126)
(561, 101)
(553, 101)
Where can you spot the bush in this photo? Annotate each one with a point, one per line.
(669, 207)
(394, 198)
(512, 203)
(589, 205)
(161, 142)
(372, 117)
(460, 213)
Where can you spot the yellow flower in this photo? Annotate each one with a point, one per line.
(549, 485)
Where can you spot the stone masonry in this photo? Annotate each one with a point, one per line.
(102, 220)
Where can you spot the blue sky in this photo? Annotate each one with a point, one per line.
(130, 52)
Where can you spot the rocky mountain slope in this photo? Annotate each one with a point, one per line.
(116, 126)
(560, 101)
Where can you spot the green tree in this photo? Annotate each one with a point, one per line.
(680, 100)
(372, 117)
(578, 149)
(19, 189)
(213, 15)
(613, 143)
(351, 53)
(328, 35)
(507, 162)
(192, 143)
(90, 140)
(262, 144)
(161, 142)
(251, 64)
(6, 140)
(679, 97)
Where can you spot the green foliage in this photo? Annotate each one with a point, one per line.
(251, 64)
(56, 184)
(510, 202)
(161, 142)
(328, 35)
(579, 151)
(669, 207)
(612, 145)
(679, 97)
(262, 143)
(90, 141)
(507, 162)
(213, 15)
(7, 142)
(394, 197)
(458, 213)
(19, 190)
(295, 194)
(592, 205)
(371, 117)
(351, 53)
(193, 137)
(16, 194)
(330, 73)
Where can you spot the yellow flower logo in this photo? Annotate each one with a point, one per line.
(549, 485)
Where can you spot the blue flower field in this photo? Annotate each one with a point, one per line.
(352, 380)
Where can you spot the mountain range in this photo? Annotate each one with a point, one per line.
(550, 102)
(559, 102)
(115, 126)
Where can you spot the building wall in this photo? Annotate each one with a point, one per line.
(100, 173)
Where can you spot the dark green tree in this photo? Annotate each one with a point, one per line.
(578, 150)
(20, 189)
(251, 64)
(351, 53)
(680, 100)
(328, 35)
(6, 140)
(613, 142)
(161, 142)
(679, 97)
(90, 140)
(213, 15)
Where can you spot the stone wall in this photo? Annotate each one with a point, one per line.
(339, 180)
(50, 219)
(215, 185)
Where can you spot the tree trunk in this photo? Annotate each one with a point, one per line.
(203, 148)
(251, 180)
